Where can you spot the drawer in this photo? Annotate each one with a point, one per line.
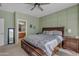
(71, 44)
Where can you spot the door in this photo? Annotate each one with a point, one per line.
(1, 31)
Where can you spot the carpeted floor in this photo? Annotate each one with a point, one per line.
(12, 50)
(16, 50)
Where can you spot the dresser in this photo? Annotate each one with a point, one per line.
(71, 43)
(22, 34)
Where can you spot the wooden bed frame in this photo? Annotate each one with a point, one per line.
(32, 50)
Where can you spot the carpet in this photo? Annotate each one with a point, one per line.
(12, 50)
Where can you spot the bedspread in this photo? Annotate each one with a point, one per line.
(46, 42)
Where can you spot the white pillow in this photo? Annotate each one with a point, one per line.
(57, 33)
(44, 32)
(53, 32)
(48, 32)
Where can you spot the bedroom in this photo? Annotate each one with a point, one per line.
(59, 16)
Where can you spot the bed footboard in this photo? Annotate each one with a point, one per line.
(31, 50)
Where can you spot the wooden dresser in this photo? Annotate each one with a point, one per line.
(22, 34)
(71, 43)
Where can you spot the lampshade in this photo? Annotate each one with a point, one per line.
(77, 37)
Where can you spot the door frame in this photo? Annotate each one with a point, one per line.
(16, 31)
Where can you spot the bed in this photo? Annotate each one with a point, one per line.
(31, 49)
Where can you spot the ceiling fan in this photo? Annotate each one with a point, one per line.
(38, 5)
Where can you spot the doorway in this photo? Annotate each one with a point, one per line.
(21, 29)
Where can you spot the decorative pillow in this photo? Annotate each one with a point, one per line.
(57, 33)
(48, 32)
(44, 32)
(53, 32)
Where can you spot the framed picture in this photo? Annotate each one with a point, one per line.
(11, 35)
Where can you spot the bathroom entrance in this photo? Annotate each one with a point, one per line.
(21, 29)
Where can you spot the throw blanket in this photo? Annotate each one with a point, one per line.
(46, 42)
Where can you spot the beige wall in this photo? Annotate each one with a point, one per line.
(67, 18)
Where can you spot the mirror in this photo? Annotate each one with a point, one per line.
(11, 35)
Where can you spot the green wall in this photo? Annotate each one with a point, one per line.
(78, 19)
(67, 18)
(30, 20)
(8, 22)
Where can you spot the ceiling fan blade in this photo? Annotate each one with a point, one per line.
(37, 3)
(33, 7)
(40, 8)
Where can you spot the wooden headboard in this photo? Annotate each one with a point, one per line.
(54, 28)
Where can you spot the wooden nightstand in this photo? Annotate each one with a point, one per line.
(71, 43)
(70, 37)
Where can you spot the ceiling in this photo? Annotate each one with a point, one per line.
(25, 8)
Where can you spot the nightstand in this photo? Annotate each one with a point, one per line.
(70, 37)
(71, 43)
